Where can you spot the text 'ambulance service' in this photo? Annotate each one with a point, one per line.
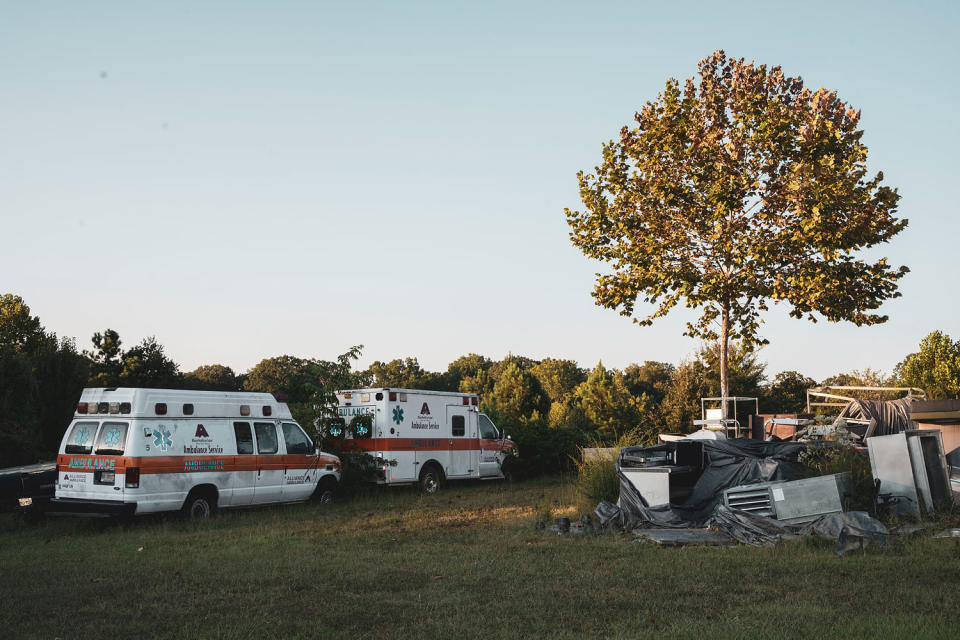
(432, 435)
(133, 451)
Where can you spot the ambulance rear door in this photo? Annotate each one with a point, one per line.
(92, 465)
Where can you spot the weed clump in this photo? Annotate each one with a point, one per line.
(597, 479)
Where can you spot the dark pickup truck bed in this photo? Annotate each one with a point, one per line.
(36, 482)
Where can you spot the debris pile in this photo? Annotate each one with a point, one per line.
(754, 492)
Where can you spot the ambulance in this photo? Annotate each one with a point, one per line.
(134, 451)
(432, 436)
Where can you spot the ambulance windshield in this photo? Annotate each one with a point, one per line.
(113, 437)
(81, 438)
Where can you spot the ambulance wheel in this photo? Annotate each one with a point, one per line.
(430, 479)
(200, 505)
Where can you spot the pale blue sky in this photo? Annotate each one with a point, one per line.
(244, 180)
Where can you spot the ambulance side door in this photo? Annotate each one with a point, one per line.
(490, 446)
(300, 463)
(245, 465)
(269, 487)
(460, 441)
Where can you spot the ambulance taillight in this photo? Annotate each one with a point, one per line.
(160, 408)
(133, 477)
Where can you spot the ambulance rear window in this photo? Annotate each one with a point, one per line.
(81, 438)
(113, 438)
(266, 437)
(244, 438)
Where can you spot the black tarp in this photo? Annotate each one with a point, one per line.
(727, 463)
(731, 463)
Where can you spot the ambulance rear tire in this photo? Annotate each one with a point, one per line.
(430, 478)
(200, 504)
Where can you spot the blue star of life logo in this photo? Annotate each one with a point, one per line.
(112, 437)
(81, 437)
(162, 439)
(398, 415)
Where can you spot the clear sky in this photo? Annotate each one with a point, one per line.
(248, 179)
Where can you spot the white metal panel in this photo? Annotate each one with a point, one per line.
(652, 483)
(890, 461)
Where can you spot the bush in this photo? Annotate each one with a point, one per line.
(358, 472)
(597, 479)
(838, 457)
(543, 449)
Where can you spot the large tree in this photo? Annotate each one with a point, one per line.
(935, 368)
(213, 377)
(18, 328)
(740, 187)
(404, 373)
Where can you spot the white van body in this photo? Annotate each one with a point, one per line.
(147, 450)
(420, 429)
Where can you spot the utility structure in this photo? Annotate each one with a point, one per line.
(825, 396)
(718, 418)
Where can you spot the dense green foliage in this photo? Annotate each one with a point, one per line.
(550, 407)
(935, 368)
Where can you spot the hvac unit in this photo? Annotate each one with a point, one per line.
(791, 501)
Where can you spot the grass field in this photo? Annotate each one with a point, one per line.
(463, 563)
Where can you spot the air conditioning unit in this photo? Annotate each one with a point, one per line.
(794, 501)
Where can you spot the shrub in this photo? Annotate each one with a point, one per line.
(838, 457)
(597, 479)
(543, 449)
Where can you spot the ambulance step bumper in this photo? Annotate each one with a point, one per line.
(91, 508)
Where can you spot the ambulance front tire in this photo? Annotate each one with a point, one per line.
(430, 478)
(326, 491)
(200, 504)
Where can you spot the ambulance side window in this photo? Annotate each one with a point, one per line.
(244, 438)
(487, 430)
(81, 438)
(297, 441)
(459, 427)
(266, 437)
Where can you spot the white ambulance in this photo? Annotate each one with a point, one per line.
(432, 435)
(145, 450)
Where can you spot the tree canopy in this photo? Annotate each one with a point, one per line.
(737, 188)
(935, 368)
(213, 377)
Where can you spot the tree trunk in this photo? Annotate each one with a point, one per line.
(724, 339)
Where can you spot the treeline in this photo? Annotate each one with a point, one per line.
(548, 406)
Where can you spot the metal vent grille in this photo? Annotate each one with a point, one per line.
(753, 499)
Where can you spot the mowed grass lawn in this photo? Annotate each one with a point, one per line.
(464, 563)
